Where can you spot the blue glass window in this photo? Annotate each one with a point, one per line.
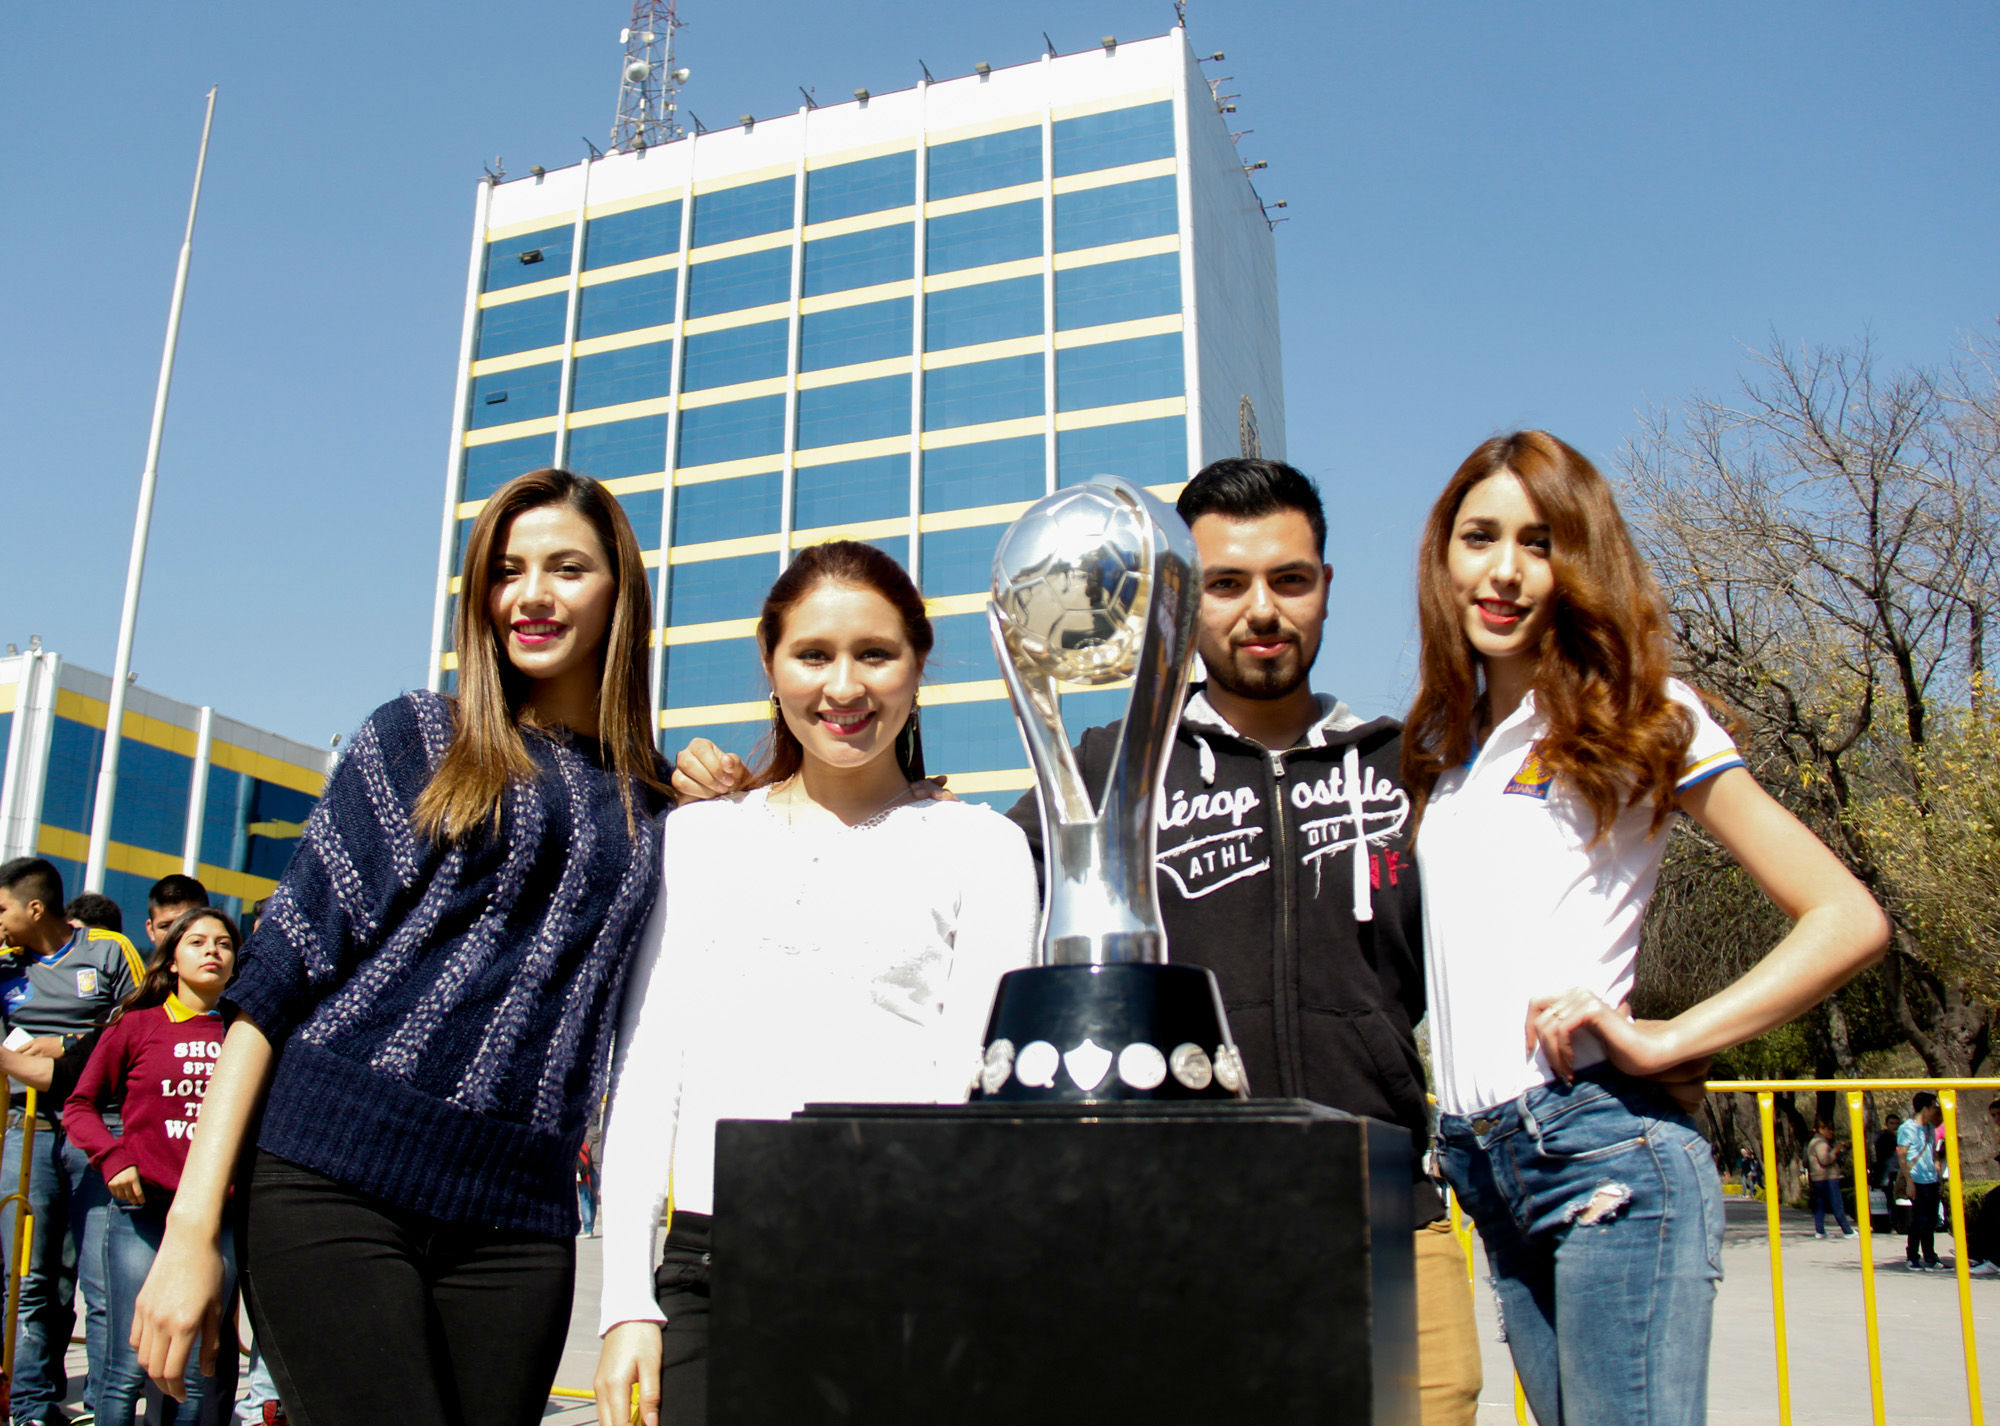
(738, 738)
(1004, 233)
(859, 259)
(619, 448)
(985, 473)
(458, 546)
(1120, 213)
(491, 466)
(6, 733)
(500, 398)
(70, 789)
(871, 331)
(981, 391)
(727, 509)
(973, 737)
(1112, 373)
(753, 353)
(1150, 452)
(743, 212)
(652, 231)
(850, 491)
(530, 257)
(730, 285)
(848, 190)
(646, 509)
(626, 374)
(522, 326)
(608, 307)
(707, 590)
(896, 547)
(989, 312)
(725, 671)
(1118, 291)
(237, 803)
(855, 411)
(1095, 708)
(963, 651)
(960, 561)
(1114, 138)
(990, 161)
(734, 430)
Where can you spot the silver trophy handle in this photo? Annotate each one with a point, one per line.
(1101, 906)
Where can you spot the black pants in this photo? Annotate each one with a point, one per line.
(681, 1286)
(368, 1314)
(1923, 1222)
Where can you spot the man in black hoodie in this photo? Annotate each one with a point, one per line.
(1284, 862)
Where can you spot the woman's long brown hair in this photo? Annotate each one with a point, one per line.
(1614, 736)
(487, 751)
(861, 566)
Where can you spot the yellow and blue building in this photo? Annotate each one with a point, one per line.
(900, 320)
(198, 793)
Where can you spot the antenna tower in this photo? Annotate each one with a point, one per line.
(649, 83)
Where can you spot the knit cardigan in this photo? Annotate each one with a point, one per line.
(443, 1011)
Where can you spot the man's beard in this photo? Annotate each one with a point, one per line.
(1264, 680)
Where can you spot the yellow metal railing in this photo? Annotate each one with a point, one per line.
(24, 1235)
(1947, 1091)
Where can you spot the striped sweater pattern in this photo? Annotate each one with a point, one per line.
(443, 1012)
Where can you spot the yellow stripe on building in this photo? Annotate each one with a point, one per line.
(992, 272)
(1118, 331)
(740, 180)
(857, 530)
(860, 223)
(972, 516)
(729, 469)
(724, 549)
(1108, 177)
(741, 391)
(712, 632)
(507, 296)
(150, 865)
(95, 713)
(856, 155)
(623, 411)
(504, 231)
(989, 198)
(741, 317)
(9, 692)
(984, 431)
(740, 247)
(514, 361)
(1132, 99)
(1006, 124)
(851, 450)
(857, 296)
(618, 341)
(983, 690)
(1118, 415)
(1013, 779)
(266, 768)
(611, 207)
(757, 711)
(985, 351)
(858, 371)
(1119, 252)
(488, 435)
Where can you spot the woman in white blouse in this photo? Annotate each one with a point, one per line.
(826, 935)
(1548, 752)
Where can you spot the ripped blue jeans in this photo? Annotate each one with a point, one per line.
(1601, 1212)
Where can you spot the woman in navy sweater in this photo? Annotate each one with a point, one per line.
(155, 1056)
(425, 1007)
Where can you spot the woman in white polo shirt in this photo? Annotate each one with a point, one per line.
(1548, 751)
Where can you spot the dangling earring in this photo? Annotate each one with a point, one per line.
(777, 711)
(910, 747)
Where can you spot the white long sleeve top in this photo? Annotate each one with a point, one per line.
(785, 964)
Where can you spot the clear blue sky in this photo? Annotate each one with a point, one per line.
(1555, 215)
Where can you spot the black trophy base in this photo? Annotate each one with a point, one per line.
(1103, 1033)
(1063, 1263)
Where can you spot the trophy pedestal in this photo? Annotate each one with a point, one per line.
(1063, 1262)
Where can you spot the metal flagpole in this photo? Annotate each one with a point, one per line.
(121, 668)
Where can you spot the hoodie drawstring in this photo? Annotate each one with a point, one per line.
(1350, 778)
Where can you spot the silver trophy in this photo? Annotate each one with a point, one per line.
(1093, 585)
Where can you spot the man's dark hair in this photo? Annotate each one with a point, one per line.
(33, 879)
(94, 908)
(1246, 488)
(1922, 1100)
(176, 890)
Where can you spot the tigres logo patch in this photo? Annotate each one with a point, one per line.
(1533, 780)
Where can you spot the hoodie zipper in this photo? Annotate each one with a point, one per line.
(1284, 949)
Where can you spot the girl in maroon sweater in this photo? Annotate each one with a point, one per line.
(155, 1056)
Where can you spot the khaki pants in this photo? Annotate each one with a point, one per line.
(1448, 1375)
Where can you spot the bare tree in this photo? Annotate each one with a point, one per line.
(1828, 541)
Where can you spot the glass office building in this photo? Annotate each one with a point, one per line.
(197, 792)
(898, 320)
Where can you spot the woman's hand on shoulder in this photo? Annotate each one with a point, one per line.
(629, 1357)
(179, 1311)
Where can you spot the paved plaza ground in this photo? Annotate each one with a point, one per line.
(1922, 1363)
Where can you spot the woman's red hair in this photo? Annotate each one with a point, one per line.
(1614, 736)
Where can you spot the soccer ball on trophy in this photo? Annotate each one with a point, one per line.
(1070, 582)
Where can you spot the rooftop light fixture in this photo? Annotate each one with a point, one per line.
(982, 69)
(861, 95)
(1110, 43)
